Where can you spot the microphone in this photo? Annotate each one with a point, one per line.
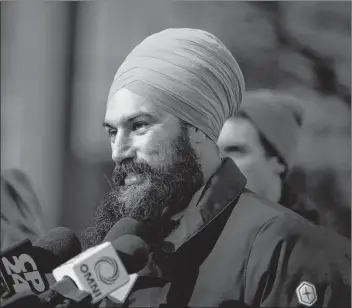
(130, 232)
(103, 270)
(128, 236)
(62, 242)
(23, 266)
(133, 253)
(125, 226)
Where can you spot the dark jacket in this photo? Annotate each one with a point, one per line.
(231, 249)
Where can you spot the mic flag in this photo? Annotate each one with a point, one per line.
(98, 271)
(24, 266)
(19, 271)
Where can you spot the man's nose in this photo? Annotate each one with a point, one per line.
(121, 149)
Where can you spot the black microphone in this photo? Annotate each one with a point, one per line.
(103, 270)
(127, 238)
(126, 226)
(24, 266)
(132, 251)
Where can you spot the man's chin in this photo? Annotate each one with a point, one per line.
(132, 180)
(128, 196)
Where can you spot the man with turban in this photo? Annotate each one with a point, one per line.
(262, 139)
(213, 243)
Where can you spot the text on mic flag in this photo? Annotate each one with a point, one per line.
(98, 271)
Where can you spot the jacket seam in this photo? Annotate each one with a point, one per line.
(250, 252)
(301, 219)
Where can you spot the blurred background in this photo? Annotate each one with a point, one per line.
(58, 60)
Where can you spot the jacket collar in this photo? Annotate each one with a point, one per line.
(223, 187)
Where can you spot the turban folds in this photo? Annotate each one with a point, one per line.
(278, 117)
(187, 72)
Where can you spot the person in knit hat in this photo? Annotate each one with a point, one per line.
(262, 139)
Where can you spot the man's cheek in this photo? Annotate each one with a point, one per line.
(251, 170)
(243, 162)
(149, 153)
(156, 157)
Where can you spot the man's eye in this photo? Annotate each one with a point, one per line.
(112, 132)
(236, 149)
(139, 125)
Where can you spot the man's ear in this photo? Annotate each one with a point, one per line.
(277, 165)
(196, 135)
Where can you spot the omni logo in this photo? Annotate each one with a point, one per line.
(106, 270)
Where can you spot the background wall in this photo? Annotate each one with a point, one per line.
(58, 60)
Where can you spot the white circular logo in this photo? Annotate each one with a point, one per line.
(106, 270)
(306, 294)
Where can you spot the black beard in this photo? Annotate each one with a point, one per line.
(168, 190)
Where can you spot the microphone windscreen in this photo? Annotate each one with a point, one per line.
(62, 242)
(123, 227)
(133, 252)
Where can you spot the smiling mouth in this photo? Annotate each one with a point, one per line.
(133, 179)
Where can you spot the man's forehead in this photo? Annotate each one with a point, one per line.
(126, 104)
(237, 130)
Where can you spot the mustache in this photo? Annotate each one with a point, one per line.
(121, 171)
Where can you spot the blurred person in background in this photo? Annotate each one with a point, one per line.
(21, 212)
(213, 242)
(262, 139)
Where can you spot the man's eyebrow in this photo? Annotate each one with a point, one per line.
(140, 114)
(106, 125)
(132, 117)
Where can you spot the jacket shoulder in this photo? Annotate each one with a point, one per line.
(294, 262)
(259, 210)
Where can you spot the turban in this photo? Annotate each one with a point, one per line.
(21, 212)
(187, 72)
(278, 117)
